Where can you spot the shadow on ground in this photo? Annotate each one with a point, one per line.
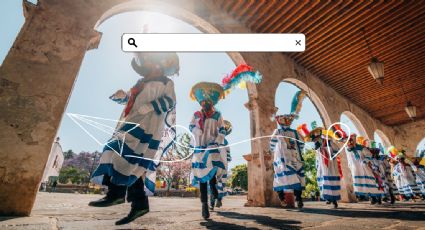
(263, 220)
(369, 213)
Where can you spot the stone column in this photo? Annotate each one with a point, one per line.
(36, 79)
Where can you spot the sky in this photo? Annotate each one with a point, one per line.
(107, 69)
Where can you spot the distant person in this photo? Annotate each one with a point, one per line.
(54, 184)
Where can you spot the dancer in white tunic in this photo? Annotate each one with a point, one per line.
(207, 127)
(382, 167)
(328, 168)
(287, 145)
(364, 181)
(125, 158)
(408, 187)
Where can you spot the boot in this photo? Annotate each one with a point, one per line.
(335, 204)
(392, 197)
(205, 211)
(134, 214)
(106, 202)
(218, 204)
(212, 203)
(300, 204)
(373, 200)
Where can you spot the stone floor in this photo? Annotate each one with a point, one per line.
(70, 211)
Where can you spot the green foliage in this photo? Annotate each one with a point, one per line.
(73, 175)
(68, 154)
(310, 172)
(239, 177)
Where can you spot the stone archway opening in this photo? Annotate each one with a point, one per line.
(320, 108)
(381, 138)
(233, 57)
(354, 124)
(420, 149)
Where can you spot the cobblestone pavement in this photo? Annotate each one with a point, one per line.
(70, 211)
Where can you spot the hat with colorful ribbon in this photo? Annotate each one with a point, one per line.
(296, 105)
(207, 91)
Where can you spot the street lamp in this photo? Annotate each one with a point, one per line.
(376, 69)
(410, 110)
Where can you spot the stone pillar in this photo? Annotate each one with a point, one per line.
(36, 79)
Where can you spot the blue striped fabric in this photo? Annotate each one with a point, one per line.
(331, 198)
(330, 187)
(296, 186)
(329, 178)
(118, 178)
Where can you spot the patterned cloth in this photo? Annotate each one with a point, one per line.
(420, 179)
(222, 173)
(207, 137)
(288, 162)
(364, 181)
(150, 107)
(407, 182)
(328, 177)
(382, 167)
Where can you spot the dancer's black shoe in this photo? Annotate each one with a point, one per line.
(205, 211)
(212, 204)
(218, 204)
(134, 214)
(335, 203)
(300, 204)
(106, 202)
(328, 202)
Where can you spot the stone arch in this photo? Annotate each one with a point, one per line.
(385, 140)
(313, 97)
(357, 123)
(420, 148)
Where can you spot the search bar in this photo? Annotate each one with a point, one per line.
(213, 42)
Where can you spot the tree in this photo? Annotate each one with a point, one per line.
(73, 175)
(239, 177)
(310, 172)
(68, 154)
(177, 169)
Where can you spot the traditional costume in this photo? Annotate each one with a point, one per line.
(127, 156)
(420, 177)
(222, 173)
(209, 130)
(287, 145)
(365, 182)
(404, 170)
(382, 167)
(329, 171)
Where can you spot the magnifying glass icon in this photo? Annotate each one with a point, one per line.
(132, 42)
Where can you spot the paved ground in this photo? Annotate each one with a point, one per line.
(70, 211)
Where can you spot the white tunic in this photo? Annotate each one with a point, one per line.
(121, 156)
(328, 177)
(288, 166)
(222, 173)
(364, 181)
(408, 186)
(207, 137)
(420, 179)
